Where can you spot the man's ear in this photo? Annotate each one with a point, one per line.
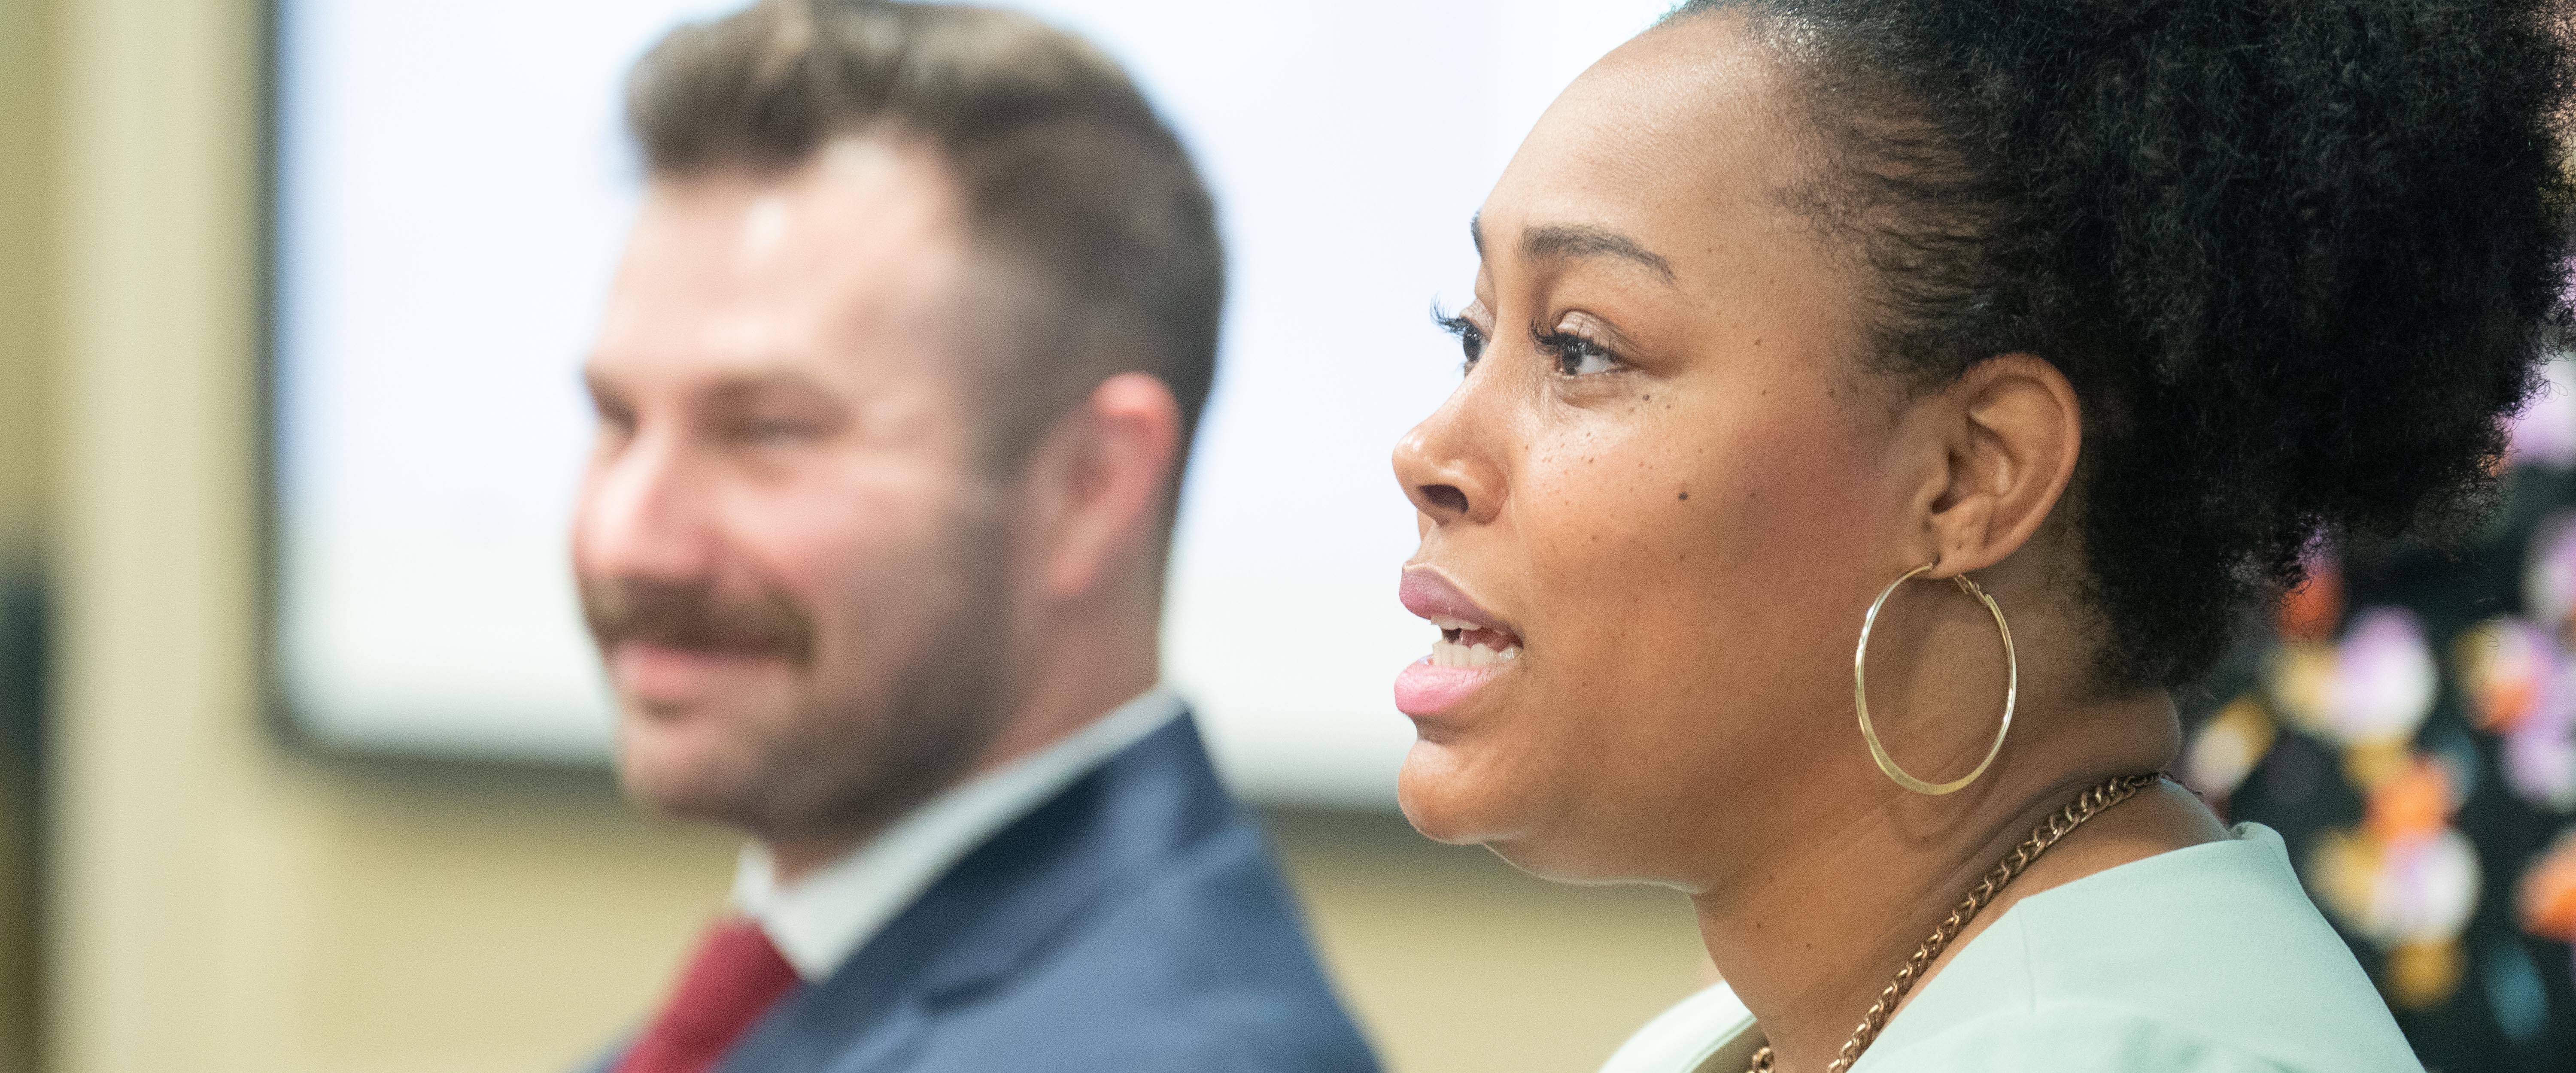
(2012, 429)
(1099, 482)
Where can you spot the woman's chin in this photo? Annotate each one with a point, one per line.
(1441, 798)
(1454, 801)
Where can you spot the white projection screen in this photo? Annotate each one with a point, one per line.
(452, 188)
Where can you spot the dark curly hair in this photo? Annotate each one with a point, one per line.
(2300, 258)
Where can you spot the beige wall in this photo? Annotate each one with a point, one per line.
(224, 903)
(25, 210)
(25, 293)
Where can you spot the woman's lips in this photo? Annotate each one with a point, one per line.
(1428, 594)
(1475, 646)
(1423, 689)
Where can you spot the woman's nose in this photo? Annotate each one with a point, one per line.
(1447, 479)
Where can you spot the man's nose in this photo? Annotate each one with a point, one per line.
(643, 514)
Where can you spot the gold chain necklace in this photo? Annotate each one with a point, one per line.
(2084, 807)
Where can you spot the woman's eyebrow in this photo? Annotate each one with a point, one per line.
(1548, 242)
(1553, 241)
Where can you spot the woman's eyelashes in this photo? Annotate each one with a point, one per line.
(1471, 339)
(1575, 355)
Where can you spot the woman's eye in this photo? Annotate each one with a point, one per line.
(1576, 355)
(1471, 339)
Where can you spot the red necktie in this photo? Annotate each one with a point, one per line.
(736, 977)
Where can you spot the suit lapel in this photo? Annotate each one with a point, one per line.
(1001, 907)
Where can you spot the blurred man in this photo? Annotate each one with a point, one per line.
(894, 390)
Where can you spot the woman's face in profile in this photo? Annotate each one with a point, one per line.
(1659, 493)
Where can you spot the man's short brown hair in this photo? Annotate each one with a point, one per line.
(1076, 194)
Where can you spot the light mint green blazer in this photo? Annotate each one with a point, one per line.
(2209, 959)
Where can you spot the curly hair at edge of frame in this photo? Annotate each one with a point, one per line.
(2300, 258)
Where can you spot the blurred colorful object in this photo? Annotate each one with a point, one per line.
(2383, 681)
(2549, 580)
(2544, 434)
(2405, 880)
(2549, 892)
(2409, 724)
(2226, 750)
(2505, 664)
(2522, 685)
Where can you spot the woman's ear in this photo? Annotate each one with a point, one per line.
(2013, 429)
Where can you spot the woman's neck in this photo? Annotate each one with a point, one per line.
(1811, 936)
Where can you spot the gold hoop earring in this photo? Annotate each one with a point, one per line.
(1860, 687)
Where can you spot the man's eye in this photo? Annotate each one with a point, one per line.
(616, 424)
(1471, 340)
(773, 433)
(1576, 355)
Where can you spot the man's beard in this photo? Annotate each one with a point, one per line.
(842, 765)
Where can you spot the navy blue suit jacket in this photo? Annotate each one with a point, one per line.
(1132, 924)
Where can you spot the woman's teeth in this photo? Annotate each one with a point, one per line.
(1447, 653)
(1463, 644)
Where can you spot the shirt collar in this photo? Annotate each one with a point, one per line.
(819, 921)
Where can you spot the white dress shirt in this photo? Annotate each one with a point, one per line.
(820, 920)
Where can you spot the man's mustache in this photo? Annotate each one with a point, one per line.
(691, 616)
